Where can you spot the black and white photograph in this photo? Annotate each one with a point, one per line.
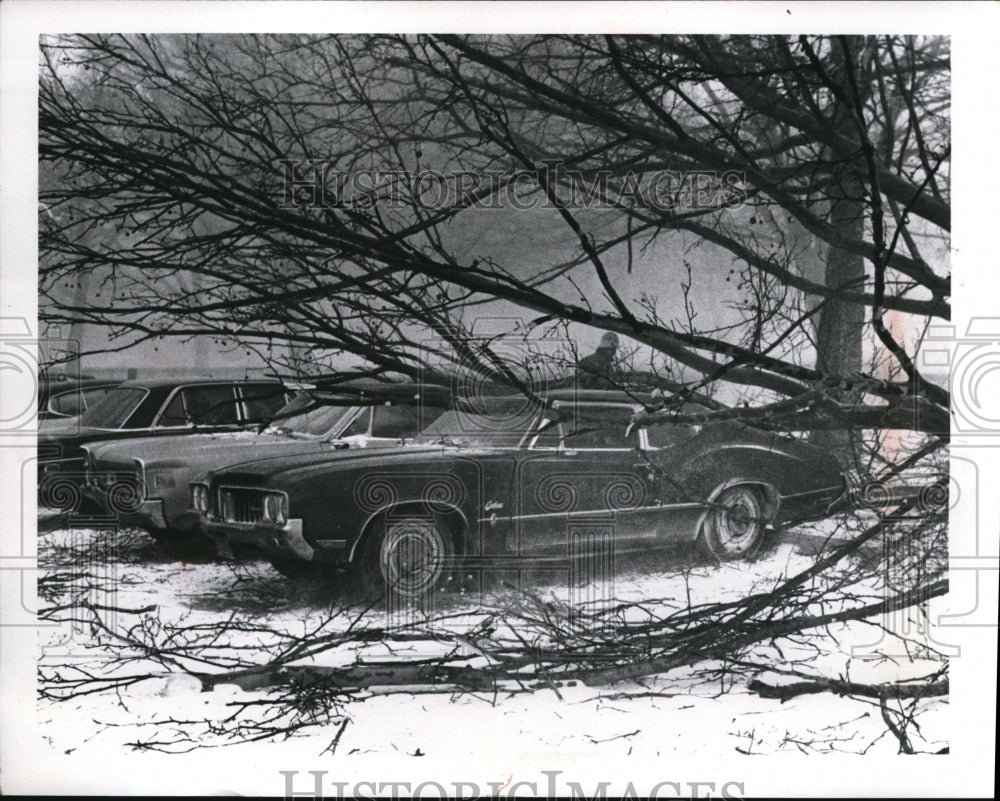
(415, 400)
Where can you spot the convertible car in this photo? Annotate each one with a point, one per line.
(496, 482)
(145, 481)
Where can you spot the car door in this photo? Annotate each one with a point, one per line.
(582, 480)
(667, 450)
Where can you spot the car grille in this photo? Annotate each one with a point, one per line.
(241, 505)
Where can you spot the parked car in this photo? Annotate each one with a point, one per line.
(507, 482)
(145, 481)
(61, 396)
(145, 409)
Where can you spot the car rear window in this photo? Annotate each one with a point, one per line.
(76, 401)
(114, 409)
(316, 422)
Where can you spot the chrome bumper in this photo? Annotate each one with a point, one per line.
(286, 540)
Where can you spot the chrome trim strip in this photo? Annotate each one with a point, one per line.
(833, 488)
(751, 447)
(331, 543)
(660, 508)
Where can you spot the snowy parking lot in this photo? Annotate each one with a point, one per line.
(148, 651)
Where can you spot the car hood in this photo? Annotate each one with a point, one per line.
(260, 471)
(83, 434)
(178, 446)
(202, 451)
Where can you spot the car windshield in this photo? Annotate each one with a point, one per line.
(114, 409)
(497, 424)
(298, 419)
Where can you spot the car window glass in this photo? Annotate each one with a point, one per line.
(394, 421)
(597, 427)
(67, 403)
(114, 409)
(360, 425)
(92, 396)
(319, 420)
(501, 424)
(174, 415)
(667, 435)
(262, 400)
(211, 405)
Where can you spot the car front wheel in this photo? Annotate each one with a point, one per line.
(736, 523)
(407, 558)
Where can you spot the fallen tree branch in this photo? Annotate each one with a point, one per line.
(785, 692)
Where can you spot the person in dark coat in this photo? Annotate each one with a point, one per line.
(598, 371)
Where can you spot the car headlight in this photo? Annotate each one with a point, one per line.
(199, 497)
(160, 478)
(275, 508)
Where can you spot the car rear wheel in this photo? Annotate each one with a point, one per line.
(407, 558)
(736, 524)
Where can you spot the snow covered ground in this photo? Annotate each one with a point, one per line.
(685, 716)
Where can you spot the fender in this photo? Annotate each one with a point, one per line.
(368, 525)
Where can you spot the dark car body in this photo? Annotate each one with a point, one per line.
(520, 480)
(145, 481)
(156, 407)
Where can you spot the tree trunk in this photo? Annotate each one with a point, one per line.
(840, 325)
